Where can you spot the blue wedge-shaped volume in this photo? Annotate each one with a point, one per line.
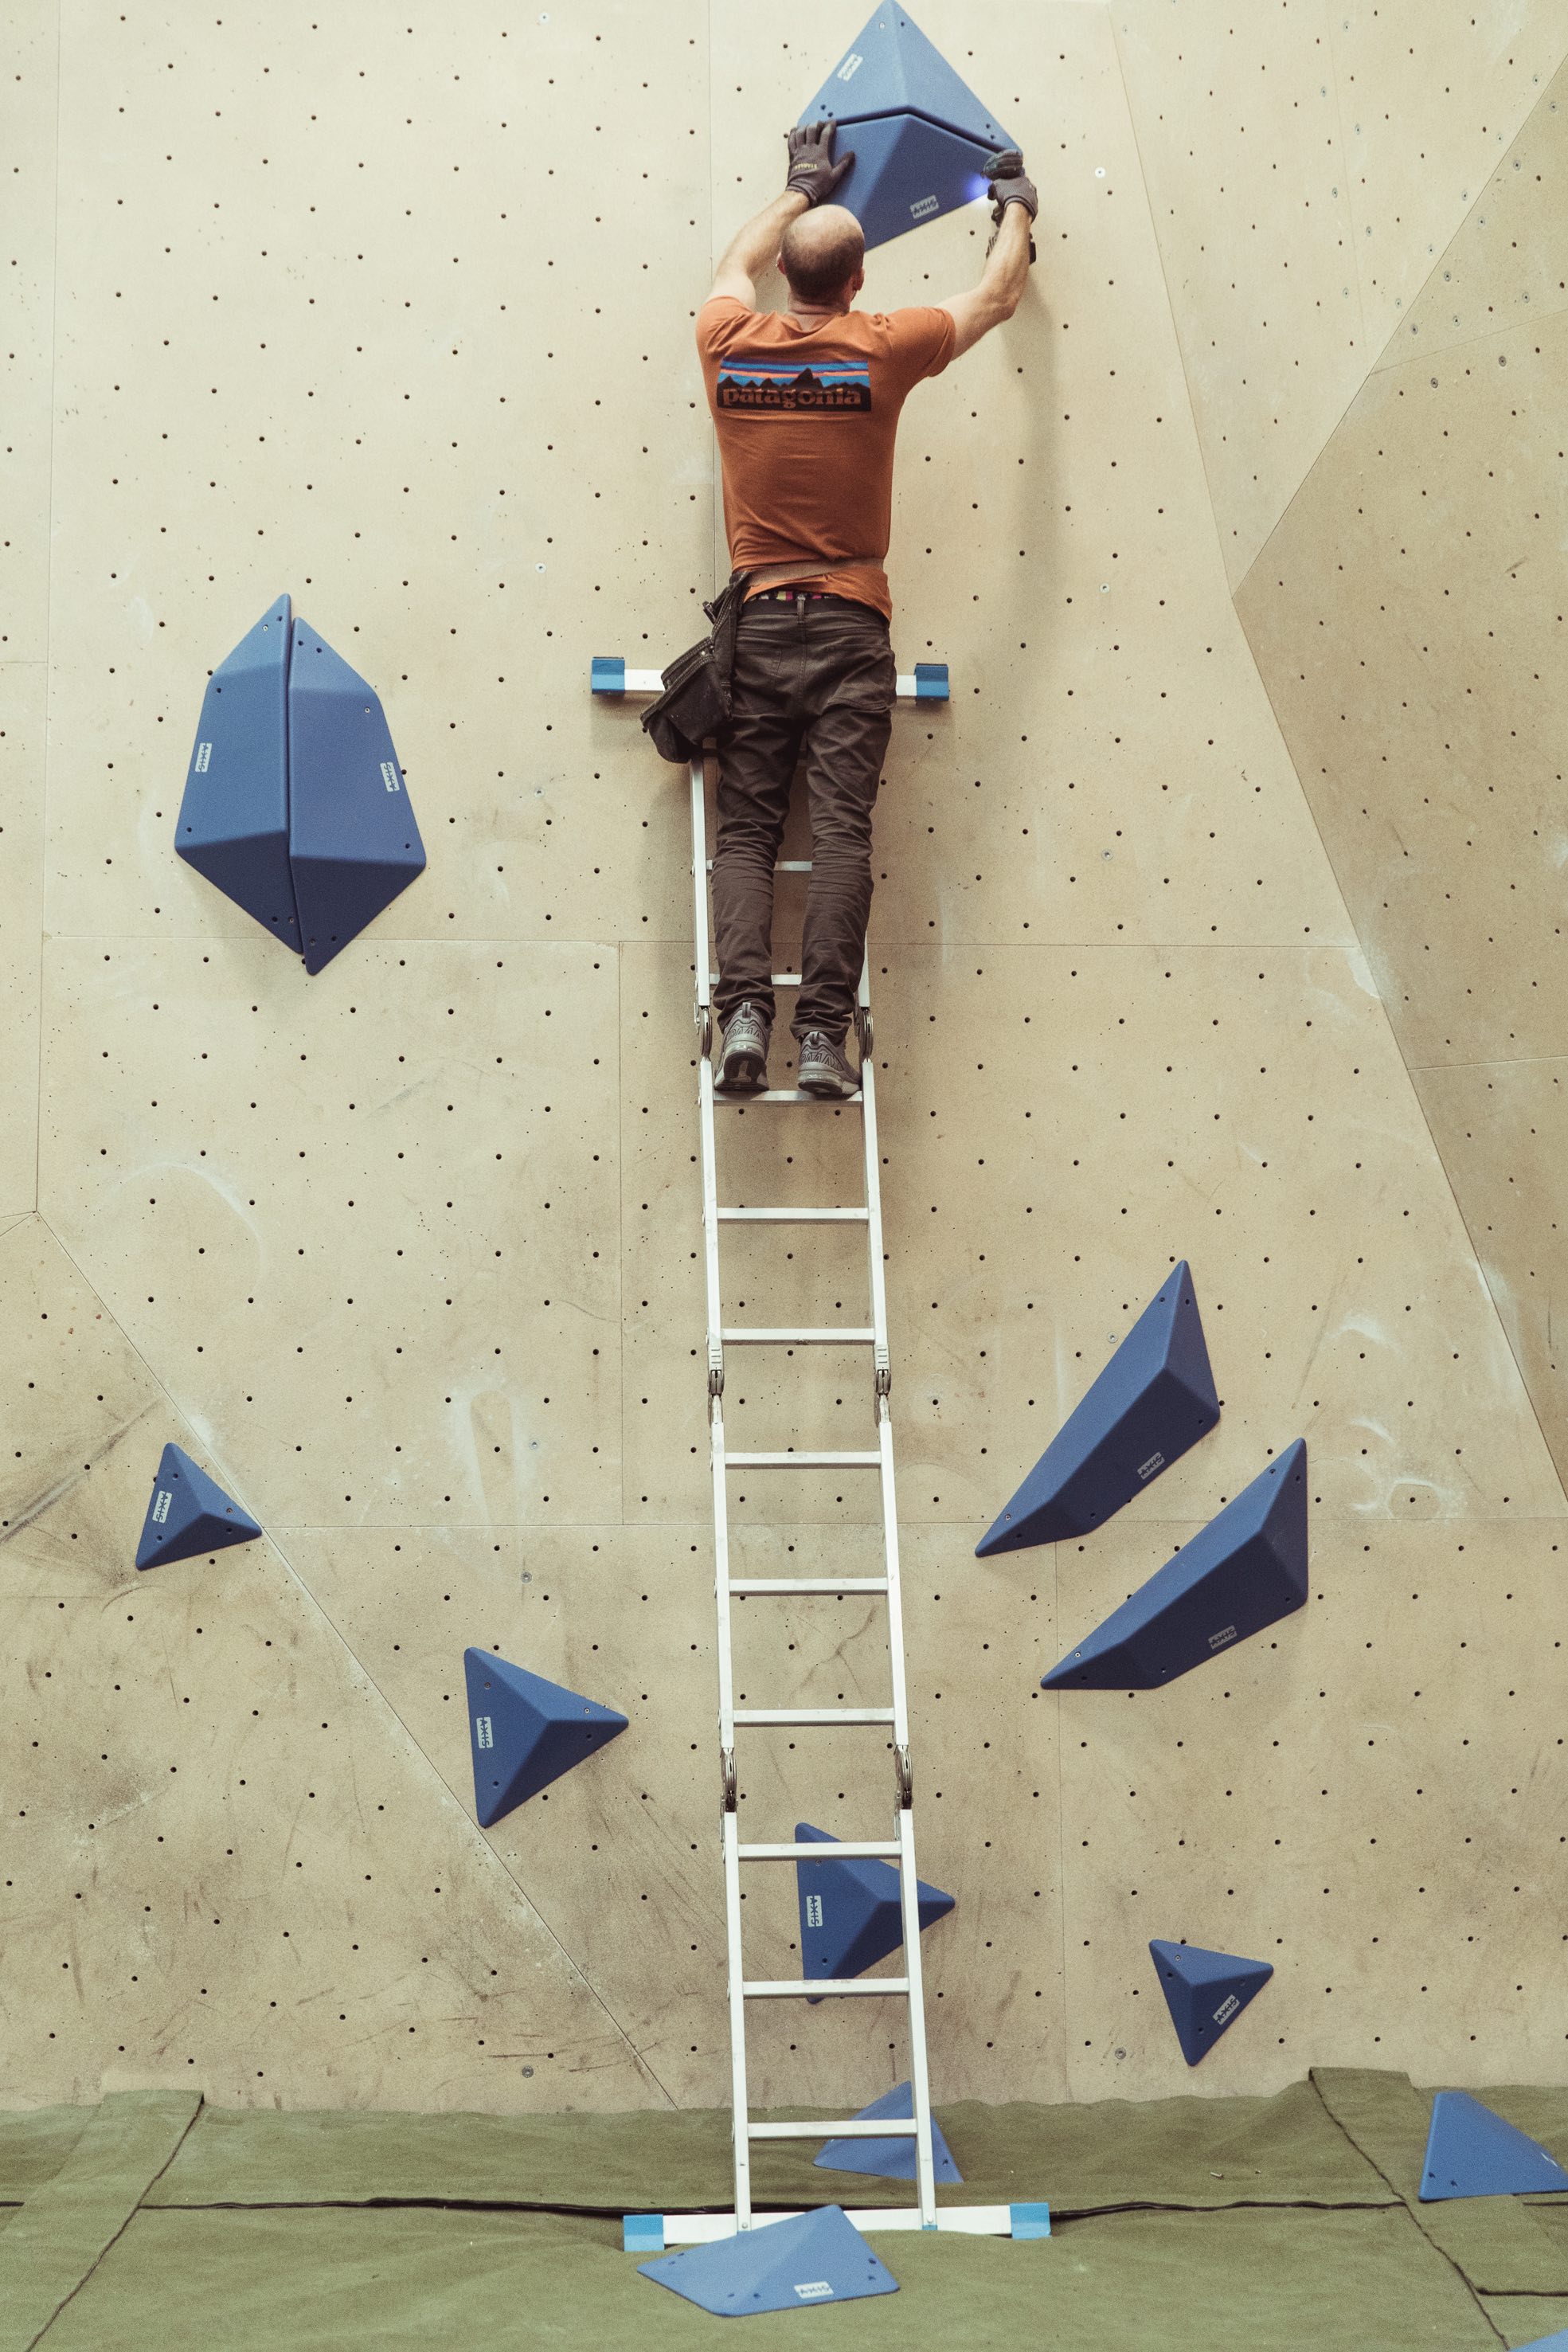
(850, 1915)
(889, 2160)
(1247, 1568)
(1205, 1991)
(1471, 2152)
(809, 2258)
(525, 1732)
(1153, 1400)
(189, 1514)
(890, 67)
(353, 840)
(919, 135)
(233, 819)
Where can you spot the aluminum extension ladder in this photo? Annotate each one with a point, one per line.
(645, 2232)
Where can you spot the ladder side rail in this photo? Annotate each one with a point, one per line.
(740, 2103)
(908, 1889)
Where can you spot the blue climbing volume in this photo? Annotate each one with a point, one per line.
(1246, 1569)
(189, 1514)
(233, 819)
(352, 841)
(1206, 1992)
(525, 1732)
(889, 2160)
(919, 135)
(850, 1914)
(1473, 2152)
(1153, 1400)
(808, 2258)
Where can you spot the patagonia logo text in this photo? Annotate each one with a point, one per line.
(923, 207)
(786, 390)
(1227, 2008)
(1226, 1633)
(1155, 1462)
(483, 1735)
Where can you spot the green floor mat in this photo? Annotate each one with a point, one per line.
(1190, 2152)
(1525, 2318)
(373, 2281)
(1503, 2244)
(68, 2223)
(34, 2144)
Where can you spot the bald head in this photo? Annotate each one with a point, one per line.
(821, 252)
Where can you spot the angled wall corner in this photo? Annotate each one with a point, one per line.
(1407, 619)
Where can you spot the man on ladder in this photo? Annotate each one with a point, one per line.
(806, 403)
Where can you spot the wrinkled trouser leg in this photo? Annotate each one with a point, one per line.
(755, 769)
(851, 692)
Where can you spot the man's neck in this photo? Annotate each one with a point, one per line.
(816, 314)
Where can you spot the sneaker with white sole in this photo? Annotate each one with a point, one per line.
(823, 1069)
(743, 1057)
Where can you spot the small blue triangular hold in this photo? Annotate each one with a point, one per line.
(233, 818)
(1246, 1569)
(889, 2160)
(850, 1915)
(811, 2258)
(352, 841)
(919, 135)
(189, 1514)
(1471, 2152)
(525, 1732)
(1153, 1400)
(1205, 1991)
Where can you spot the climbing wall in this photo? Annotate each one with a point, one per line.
(1195, 936)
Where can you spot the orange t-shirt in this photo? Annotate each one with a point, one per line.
(806, 418)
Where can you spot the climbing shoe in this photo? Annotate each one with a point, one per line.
(743, 1057)
(823, 1069)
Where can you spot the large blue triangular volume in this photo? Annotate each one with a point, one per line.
(353, 840)
(525, 1732)
(889, 2160)
(189, 1514)
(919, 135)
(809, 2258)
(1153, 1400)
(850, 1915)
(1246, 1569)
(1471, 2152)
(233, 818)
(1205, 1991)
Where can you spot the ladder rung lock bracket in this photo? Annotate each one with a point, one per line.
(774, 1716)
(820, 1988)
(853, 2128)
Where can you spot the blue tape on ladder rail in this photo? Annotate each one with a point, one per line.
(1030, 2220)
(931, 682)
(643, 2233)
(607, 674)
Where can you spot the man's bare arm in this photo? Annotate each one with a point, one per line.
(1001, 285)
(755, 246)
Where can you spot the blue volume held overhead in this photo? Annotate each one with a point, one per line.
(525, 1732)
(849, 1915)
(1246, 1569)
(1153, 1400)
(808, 2258)
(233, 819)
(889, 2160)
(919, 135)
(189, 1514)
(293, 804)
(1472, 2152)
(1206, 1992)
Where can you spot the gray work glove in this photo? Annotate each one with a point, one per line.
(812, 170)
(1010, 184)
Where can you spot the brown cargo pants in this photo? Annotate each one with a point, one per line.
(814, 677)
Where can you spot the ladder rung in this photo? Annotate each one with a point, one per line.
(785, 866)
(813, 1714)
(853, 2127)
(755, 1335)
(787, 1584)
(777, 979)
(803, 1461)
(845, 1849)
(792, 1216)
(783, 1094)
(819, 1988)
